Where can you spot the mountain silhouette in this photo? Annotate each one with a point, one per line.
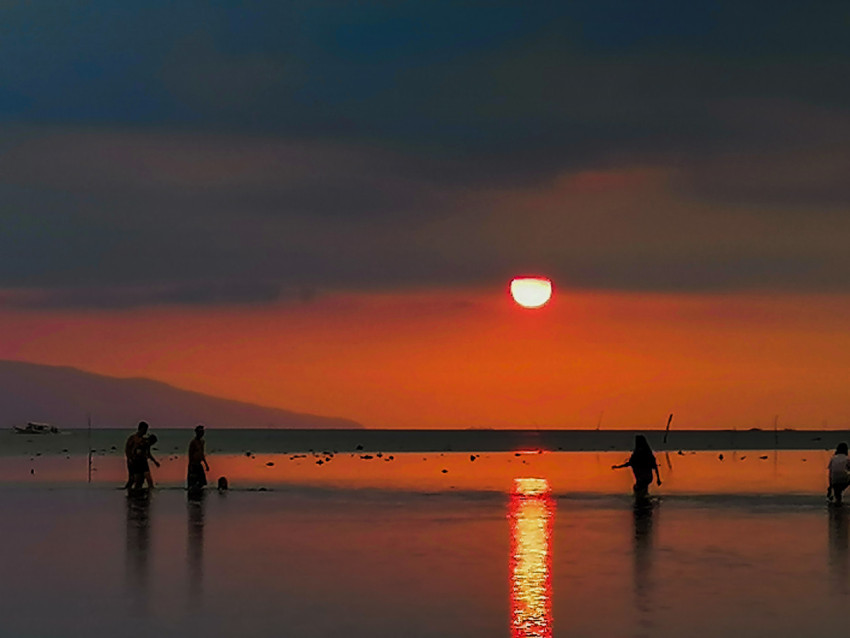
(64, 396)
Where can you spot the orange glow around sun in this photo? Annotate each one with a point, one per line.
(471, 358)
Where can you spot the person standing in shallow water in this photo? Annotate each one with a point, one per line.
(839, 473)
(643, 464)
(130, 446)
(196, 478)
(141, 469)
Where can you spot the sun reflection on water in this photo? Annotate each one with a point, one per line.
(531, 513)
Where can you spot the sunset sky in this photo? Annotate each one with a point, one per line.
(319, 206)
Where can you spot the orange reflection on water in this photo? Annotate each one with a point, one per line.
(531, 512)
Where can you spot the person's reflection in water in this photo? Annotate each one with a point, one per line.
(838, 537)
(196, 506)
(138, 546)
(642, 546)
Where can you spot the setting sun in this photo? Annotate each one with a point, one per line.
(531, 292)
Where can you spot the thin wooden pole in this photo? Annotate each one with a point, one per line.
(89, 446)
(667, 429)
(776, 432)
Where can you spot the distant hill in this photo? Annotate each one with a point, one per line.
(63, 396)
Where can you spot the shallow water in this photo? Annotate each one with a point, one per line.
(568, 473)
(408, 550)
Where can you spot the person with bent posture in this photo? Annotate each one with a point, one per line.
(141, 470)
(839, 473)
(133, 441)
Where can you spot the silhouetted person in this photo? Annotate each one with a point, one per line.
(643, 464)
(141, 456)
(129, 449)
(196, 478)
(839, 473)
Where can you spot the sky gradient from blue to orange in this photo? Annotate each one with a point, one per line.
(318, 206)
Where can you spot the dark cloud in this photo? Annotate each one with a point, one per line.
(150, 151)
(128, 297)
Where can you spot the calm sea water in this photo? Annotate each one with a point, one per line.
(387, 548)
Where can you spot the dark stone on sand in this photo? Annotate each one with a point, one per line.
(720, 456)
(743, 457)
(366, 456)
(471, 457)
(320, 462)
(444, 471)
(390, 457)
(247, 454)
(269, 463)
(379, 454)
(680, 453)
(763, 457)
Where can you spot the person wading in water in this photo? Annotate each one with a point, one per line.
(130, 446)
(643, 464)
(196, 478)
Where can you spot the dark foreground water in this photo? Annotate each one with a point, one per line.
(481, 550)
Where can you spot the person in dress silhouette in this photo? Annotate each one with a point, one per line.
(643, 464)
